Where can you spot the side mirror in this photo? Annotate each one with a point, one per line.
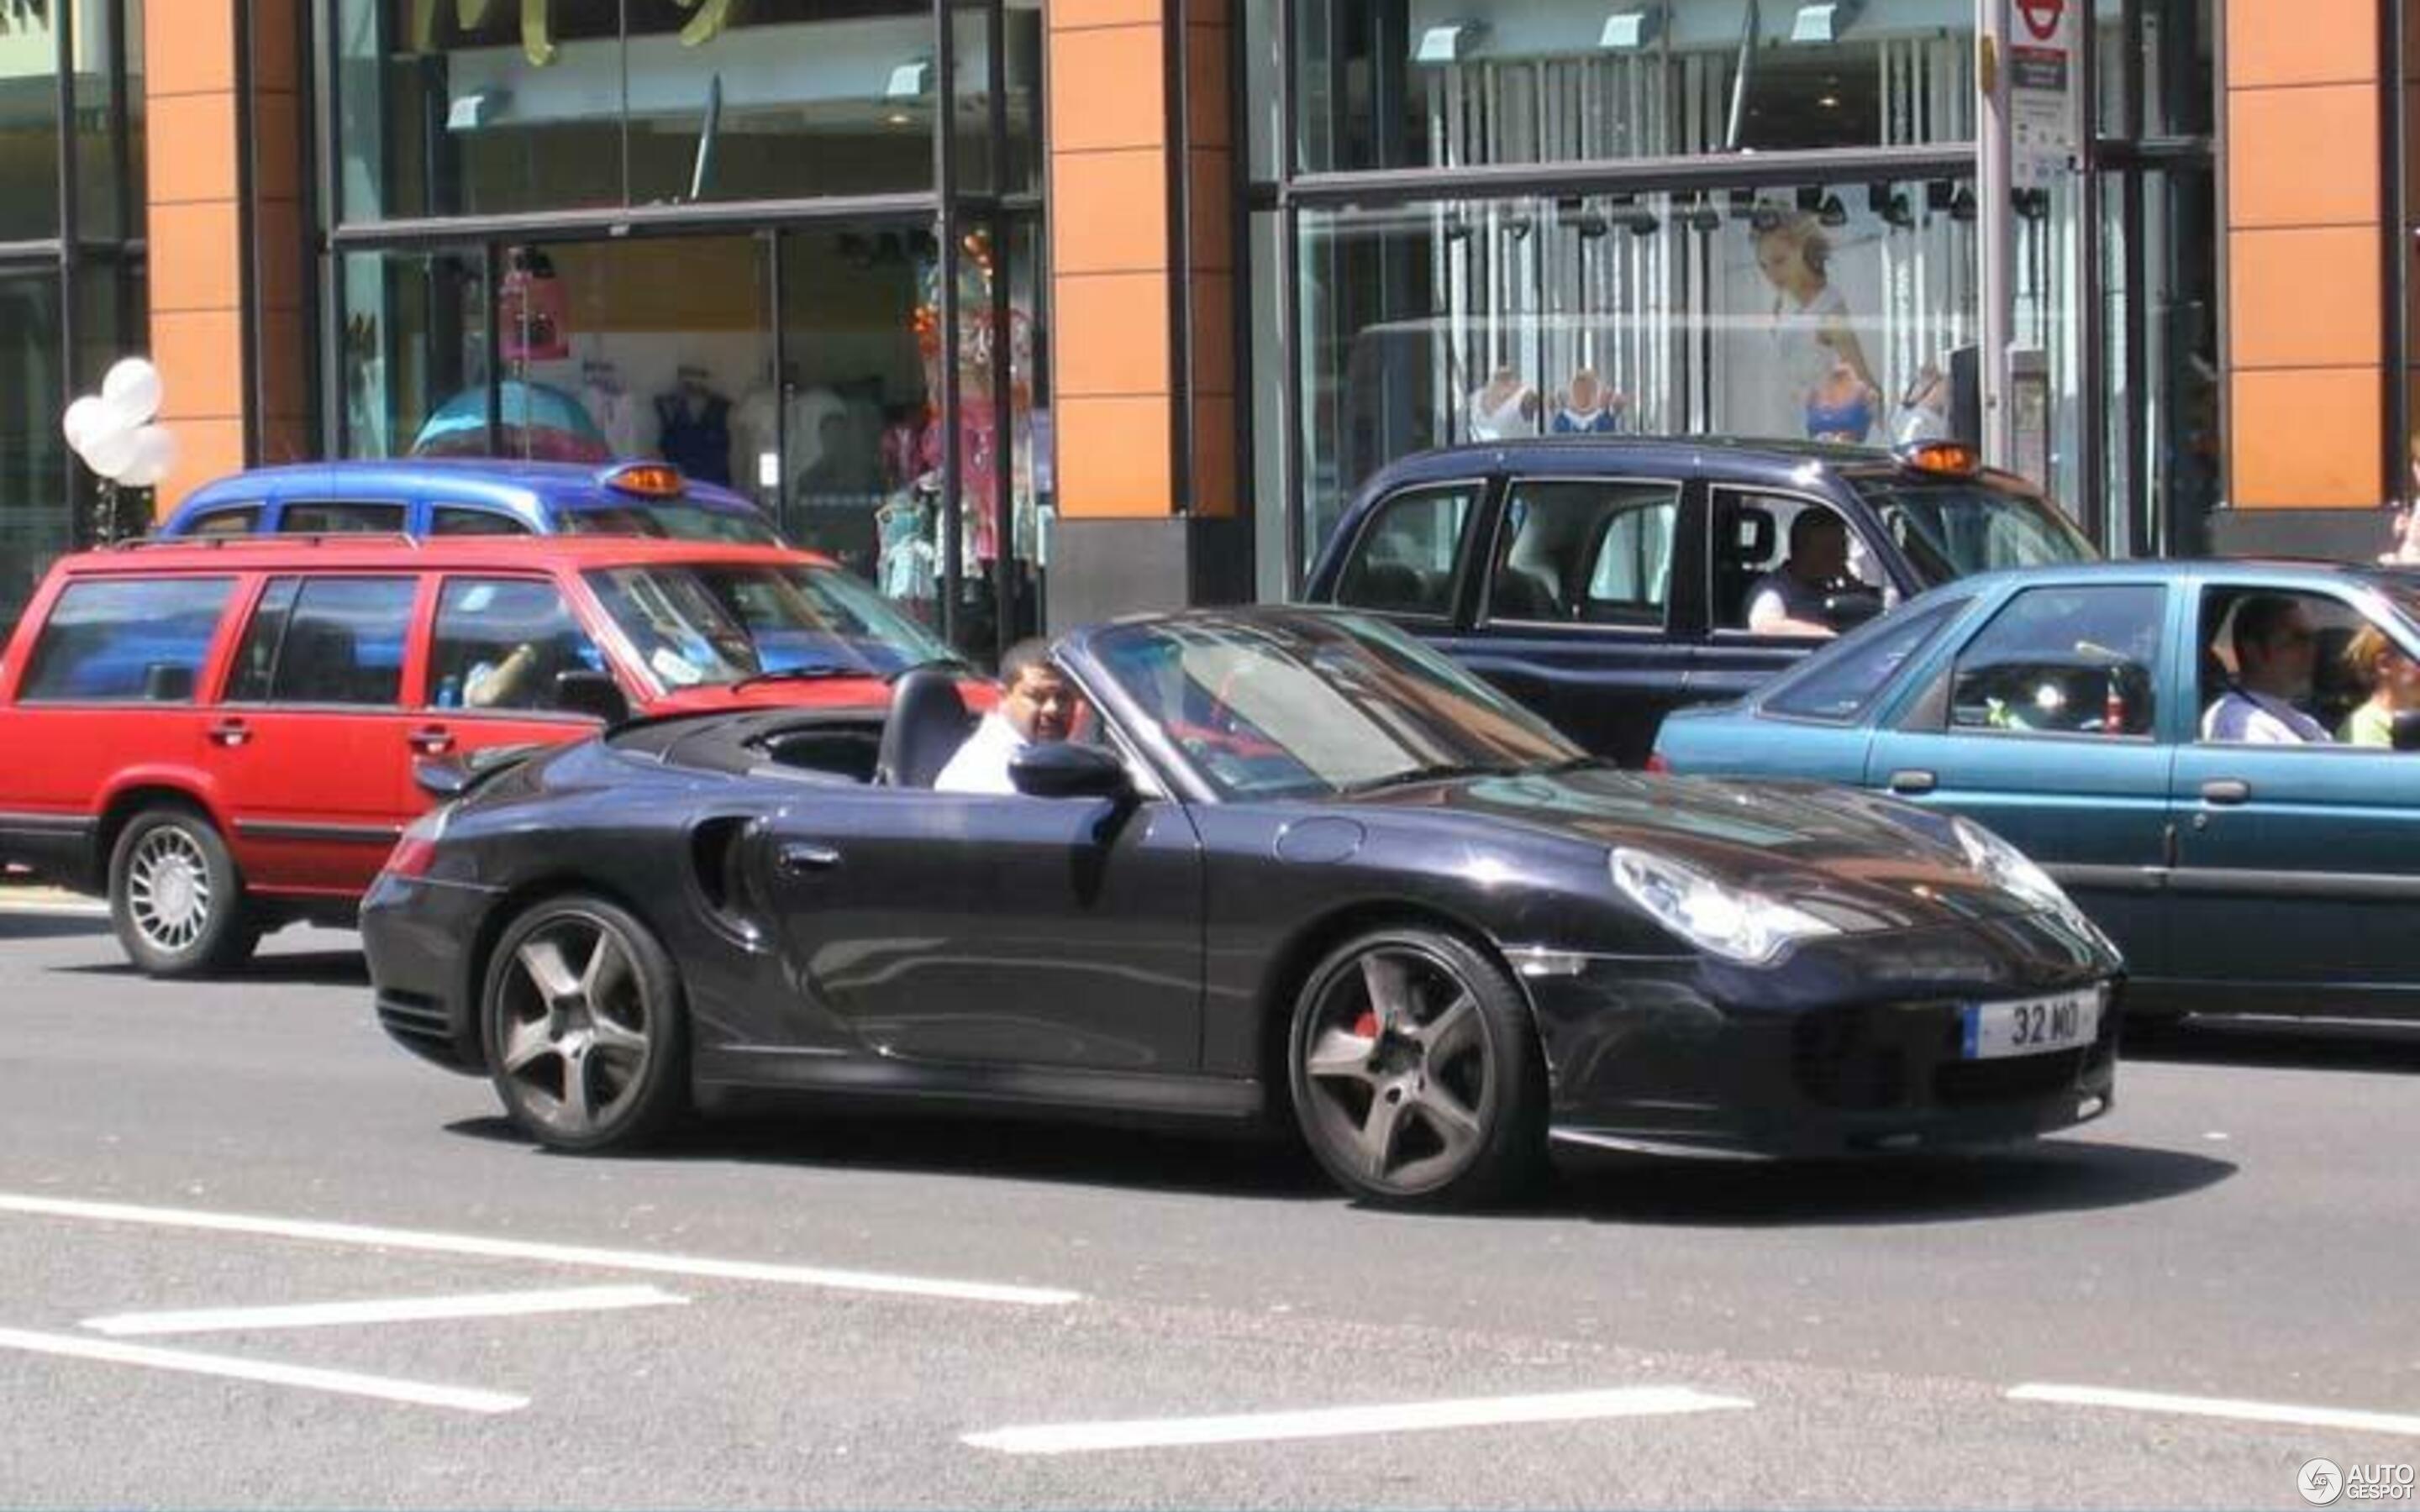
(443, 778)
(1852, 607)
(1061, 770)
(591, 693)
(2407, 731)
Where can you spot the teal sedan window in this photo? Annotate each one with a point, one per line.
(1840, 684)
(2064, 660)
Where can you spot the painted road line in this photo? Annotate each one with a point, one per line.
(430, 1242)
(2286, 1413)
(345, 1382)
(1345, 1422)
(62, 910)
(391, 1310)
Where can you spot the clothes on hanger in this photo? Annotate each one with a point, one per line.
(1504, 407)
(694, 427)
(613, 406)
(904, 539)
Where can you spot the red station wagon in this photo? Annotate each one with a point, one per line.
(221, 735)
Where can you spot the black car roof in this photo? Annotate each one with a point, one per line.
(1752, 458)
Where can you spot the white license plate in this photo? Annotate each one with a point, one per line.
(2035, 1027)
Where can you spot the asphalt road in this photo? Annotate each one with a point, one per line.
(797, 1311)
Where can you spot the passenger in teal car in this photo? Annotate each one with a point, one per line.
(2393, 683)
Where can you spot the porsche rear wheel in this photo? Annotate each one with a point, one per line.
(1416, 1074)
(584, 1023)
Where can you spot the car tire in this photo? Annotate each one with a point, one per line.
(176, 898)
(585, 1033)
(1416, 1076)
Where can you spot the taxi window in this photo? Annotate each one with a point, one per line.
(449, 519)
(126, 641)
(341, 520)
(240, 520)
(1404, 564)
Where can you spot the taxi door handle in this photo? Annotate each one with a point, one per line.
(230, 732)
(1913, 779)
(431, 740)
(804, 859)
(2225, 791)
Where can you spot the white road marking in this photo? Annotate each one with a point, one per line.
(391, 1310)
(431, 1242)
(2286, 1412)
(1342, 1421)
(346, 1382)
(63, 910)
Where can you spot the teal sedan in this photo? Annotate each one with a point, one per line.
(2204, 753)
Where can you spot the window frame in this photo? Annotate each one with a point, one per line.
(1715, 613)
(429, 624)
(413, 655)
(1944, 690)
(1500, 542)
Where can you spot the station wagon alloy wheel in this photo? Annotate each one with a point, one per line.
(168, 888)
(1413, 1070)
(583, 1026)
(176, 898)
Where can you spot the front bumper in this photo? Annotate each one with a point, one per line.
(1852, 1046)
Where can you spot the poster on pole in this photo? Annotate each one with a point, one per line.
(2041, 92)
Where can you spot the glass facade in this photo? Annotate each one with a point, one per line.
(804, 354)
(71, 257)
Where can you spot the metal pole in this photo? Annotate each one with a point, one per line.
(71, 335)
(1996, 247)
(945, 177)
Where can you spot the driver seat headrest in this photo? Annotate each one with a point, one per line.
(929, 722)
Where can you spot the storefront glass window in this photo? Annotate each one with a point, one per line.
(109, 197)
(34, 521)
(495, 107)
(29, 124)
(1441, 83)
(412, 353)
(1828, 311)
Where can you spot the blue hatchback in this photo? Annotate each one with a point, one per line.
(2204, 753)
(471, 497)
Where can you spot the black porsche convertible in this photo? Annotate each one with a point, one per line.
(1292, 867)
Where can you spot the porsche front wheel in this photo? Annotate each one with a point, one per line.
(1416, 1076)
(583, 1017)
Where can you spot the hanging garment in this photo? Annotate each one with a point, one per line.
(1567, 422)
(1508, 417)
(695, 435)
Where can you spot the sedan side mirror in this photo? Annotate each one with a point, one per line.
(2407, 731)
(591, 693)
(1852, 607)
(1062, 770)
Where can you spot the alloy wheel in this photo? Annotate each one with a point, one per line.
(575, 1024)
(168, 893)
(1403, 1079)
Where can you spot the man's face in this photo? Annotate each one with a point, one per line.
(1039, 705)
(1826, 555)
(2282, 663)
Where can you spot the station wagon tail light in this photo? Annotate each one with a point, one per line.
(647, 480)
(1954, 459)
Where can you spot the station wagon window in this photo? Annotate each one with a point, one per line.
(500, 643)
(240, 520)
(453, 520)
(341, 520)
(1586, 552)
(1405, 561)
(126, 641)
(1839, 686)
(2069, 660)
(327, 640)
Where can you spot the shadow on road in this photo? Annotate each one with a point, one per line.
(50, 926)
(2300, 1045)
(309, 968)
(2057, 1176)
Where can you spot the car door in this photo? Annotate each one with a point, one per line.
(1746, 534)
(1576, 606)
(1409, 558)
(2047, 721)
(991, 929)
(2298, 865)
(311, 743)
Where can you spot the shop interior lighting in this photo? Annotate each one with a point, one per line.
(1823, 20)
(1832, 213)
(1703, 217)
(1627, 31)
(1889, 203)
(1449, 42)
(910, 80)
(1963, 207)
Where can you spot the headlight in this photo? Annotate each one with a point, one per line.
(1733, 922)
(2008, 867)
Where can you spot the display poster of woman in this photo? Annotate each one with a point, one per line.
(1815, 376)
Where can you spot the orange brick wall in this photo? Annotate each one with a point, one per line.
(2306, 296)
(196, 281)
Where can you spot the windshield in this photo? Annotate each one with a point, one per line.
(708, 623)
(671, 521)
(1313, 705)
(1954, 530)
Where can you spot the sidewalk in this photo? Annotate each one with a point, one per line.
(19, 891)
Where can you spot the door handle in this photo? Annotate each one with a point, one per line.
(431, 740)
(804, 859)
(230, 732)
(2225, 791)
(1913, 779)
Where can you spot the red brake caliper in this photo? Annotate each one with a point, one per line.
(1366, 1027)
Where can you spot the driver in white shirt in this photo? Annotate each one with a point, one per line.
(1037, 705)
(2276, 651)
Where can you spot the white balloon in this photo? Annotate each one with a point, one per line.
(108, 449)
(132, 386)
(83, 417)
(155, 458)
